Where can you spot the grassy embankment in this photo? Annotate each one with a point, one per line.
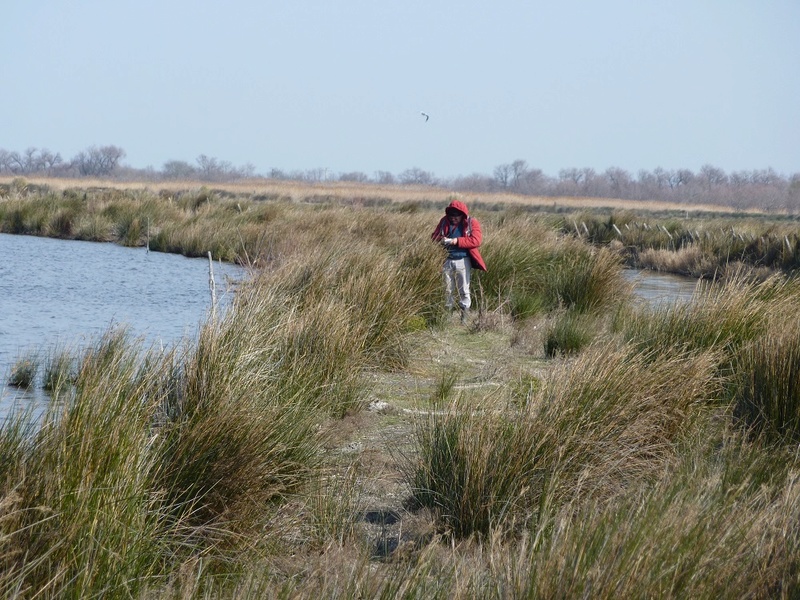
(695, 240)
(653, 453)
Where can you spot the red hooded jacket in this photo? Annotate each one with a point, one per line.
(471, 239)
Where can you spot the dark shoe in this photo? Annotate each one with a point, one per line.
(464, 316)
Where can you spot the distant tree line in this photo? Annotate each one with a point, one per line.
(760, 188)
(95, 161)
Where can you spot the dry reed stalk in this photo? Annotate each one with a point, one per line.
(298, 191)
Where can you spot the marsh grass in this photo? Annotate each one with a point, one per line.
(457, 476)
(533, 271)
(336, 504)
(59, 371)
(697, 246)
(720, 317)
(569, 332)
(582, 280)
(444, 388)
(81, 487)
(613, 470)
(766, 395)
(154, 458)
(603, 421)
(689, 260)
(23, 371)
(515, 258)
(692, 534)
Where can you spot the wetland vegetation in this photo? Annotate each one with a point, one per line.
(336, 434)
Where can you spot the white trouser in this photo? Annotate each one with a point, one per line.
(456, 275)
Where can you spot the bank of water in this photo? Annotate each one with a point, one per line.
(661, 288)
(58, 294)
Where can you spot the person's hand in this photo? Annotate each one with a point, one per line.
(449, 241)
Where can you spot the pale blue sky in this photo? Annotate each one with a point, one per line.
(306, 84)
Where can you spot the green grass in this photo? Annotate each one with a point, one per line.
(766, 392)
(598, 423)
(23, 372)
(698, 245)
(653, 454)
(532, 271)
(59, 371)
(569, 332)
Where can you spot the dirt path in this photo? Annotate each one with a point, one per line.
(483, 364)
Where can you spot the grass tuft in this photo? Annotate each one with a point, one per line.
(23, 372)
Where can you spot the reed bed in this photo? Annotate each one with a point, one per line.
(150, 459)
(535, 271)
(654, 454)
(569, 332)
(24, 370)
(766, 394)
(723, 317)
(697, 246)
(193, 219)
(600, 422)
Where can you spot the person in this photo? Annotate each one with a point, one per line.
(460, 234)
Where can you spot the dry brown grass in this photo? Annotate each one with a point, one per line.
(689, 260)
(354, 192)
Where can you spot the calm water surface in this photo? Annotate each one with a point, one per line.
(58, 294)
(661, 288)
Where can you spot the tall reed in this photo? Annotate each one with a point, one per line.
(720, 317)
(766, 394)
(534, 271)
(84, 517)
(599, 423)
(700, 531)
(153, 458)
(23, 371)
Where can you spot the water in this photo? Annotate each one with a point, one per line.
(57, 294)
(661, 288)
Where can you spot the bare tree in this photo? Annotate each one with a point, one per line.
(794, 190)
(532, 181)
(502, 175)
(316, 175)
(476, 182)
(213, 169)
(712, 176)
(210, 168)
(50, 161)
(416, 176)
(384, 177)
(246, 170)
(178, 169)
(356, 176)
(619, 181)
(31, 160)
(765, 177)
(576, 181)
(579, 177)
(518, 169)
(16, 164)
(96, 161)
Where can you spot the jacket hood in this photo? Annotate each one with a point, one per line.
(459, 206)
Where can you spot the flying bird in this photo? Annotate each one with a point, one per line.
(427, 116)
